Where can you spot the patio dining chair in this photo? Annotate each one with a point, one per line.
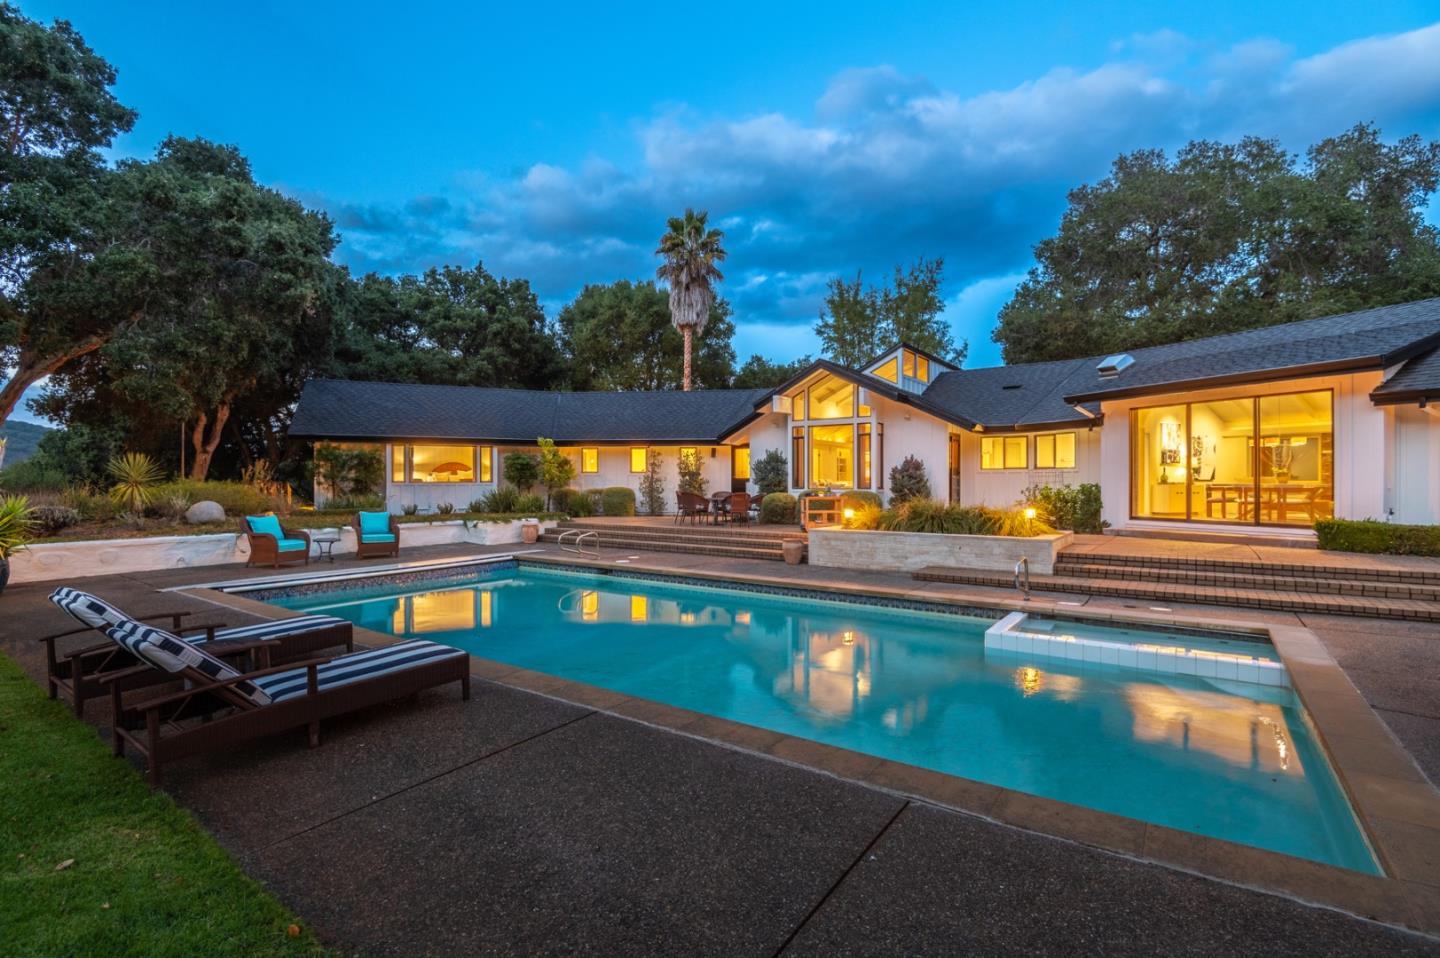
(739, 506)
(222, 706)
(689, 505)
(79, 674)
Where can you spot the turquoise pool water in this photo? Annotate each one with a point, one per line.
(1219, 758)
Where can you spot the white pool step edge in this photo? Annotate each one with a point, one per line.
(1008, 635)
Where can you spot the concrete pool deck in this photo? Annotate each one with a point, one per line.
(524, 823)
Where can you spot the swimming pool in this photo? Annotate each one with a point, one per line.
(1232, 760)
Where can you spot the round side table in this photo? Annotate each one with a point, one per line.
(326, 545)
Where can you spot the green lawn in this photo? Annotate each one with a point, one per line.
(143, 878)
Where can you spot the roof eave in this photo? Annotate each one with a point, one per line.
(1230, 379)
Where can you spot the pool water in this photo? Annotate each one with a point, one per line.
(1221, 759)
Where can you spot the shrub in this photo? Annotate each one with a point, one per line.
(48, 520)
(349, 473)
(136, 476)
(372, 503)
(556, 469)
(571, 502)
(778, 508)
(90, 504)
(410, 509)
(652, 484)
(1368, 535)
(35, 474)
(171, 507)
(770, 473)
(529, 504)
(907, 481)
(236, 498)
(691, 478)
(929, 515)
(502, 499)
(617, 501)
(918, 515)
(859, 498)
(445, 508)
(1068, 507)
(593, 496)
(16, 525)
(521, 470)
(866, 516)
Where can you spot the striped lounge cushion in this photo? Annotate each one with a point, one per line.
(275, 628)
(91, 610)
(356, 667)
(169, 652)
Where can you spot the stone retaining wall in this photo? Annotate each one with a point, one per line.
(908, 551)
(72, 560)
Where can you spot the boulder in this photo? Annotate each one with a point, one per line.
(205, 512)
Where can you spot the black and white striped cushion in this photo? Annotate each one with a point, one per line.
(169, 652)
(278, 627)
(356, 667)
(91, 610)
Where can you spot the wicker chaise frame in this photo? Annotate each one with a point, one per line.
(265, 548)
(80, 674)
(369, 550)
(185, 723)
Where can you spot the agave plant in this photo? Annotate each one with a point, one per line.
(135, 475)
(16, 525)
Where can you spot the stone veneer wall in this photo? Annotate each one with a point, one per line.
(73, 560)
(908, 551)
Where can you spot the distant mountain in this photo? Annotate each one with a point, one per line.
(21, 440)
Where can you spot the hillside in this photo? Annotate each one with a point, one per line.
(22, 437)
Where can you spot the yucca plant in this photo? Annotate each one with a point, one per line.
(135, 475)
(17, 523)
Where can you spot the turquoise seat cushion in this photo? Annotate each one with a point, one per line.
(374, 523)
(377, 537)
(265, 526)
(291, 545)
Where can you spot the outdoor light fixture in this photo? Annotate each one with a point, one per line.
(1029, 512)
(849, 513)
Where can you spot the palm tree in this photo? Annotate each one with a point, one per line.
(690, 252)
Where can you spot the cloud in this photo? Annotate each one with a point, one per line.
(888, 167)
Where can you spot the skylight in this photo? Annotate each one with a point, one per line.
(1114, 365)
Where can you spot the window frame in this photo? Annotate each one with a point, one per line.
(1054, 442)
(644, 452)
(1005, 440)
(406, 459)
(797, 457)
(589, 451)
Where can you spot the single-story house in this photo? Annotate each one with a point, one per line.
(1260, 431)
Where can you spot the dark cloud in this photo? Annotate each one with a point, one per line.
(890, 168)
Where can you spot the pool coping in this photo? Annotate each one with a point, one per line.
(1397, 808)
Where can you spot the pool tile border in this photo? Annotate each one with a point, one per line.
(1398, 808)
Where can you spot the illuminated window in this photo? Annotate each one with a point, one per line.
(880, 455)
(832, 455)
(589, 459)
(740, 463)
(639, 608)
(397, 463)
(1055, 451)
(865, 412)
(866, 467)
(887, 370)
(1004, 452)
(487, 607)
(798, 404)
(638, 458)
(797, 458)
(832, 398)
(439, 464)
(487, 463)
(690, 453)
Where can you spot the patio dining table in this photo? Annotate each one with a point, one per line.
(719, 507)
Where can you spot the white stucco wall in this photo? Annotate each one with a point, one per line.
(1362, 449)
(1001, 488)
(1415, 464)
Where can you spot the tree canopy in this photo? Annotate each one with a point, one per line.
(619, 336)
(1225, 237)
(760, 373)
(861, 321)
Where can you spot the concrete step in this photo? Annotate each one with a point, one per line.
(1328, 603)
(609, 543)
(1421, 573)
(1074, 569)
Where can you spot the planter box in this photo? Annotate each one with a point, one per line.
(908, 551)
(73, 560)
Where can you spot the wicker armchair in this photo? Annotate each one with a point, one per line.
(370, 541)
(271, 543)
(688, 504)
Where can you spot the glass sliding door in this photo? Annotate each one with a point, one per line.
(1297, 459)
(1267, 460)
(1158, 446)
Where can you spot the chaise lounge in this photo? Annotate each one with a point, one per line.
(78, 674)
(271, 543)
(222, 706)
(376, 534)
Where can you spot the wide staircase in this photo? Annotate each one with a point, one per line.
(729, 541)
(1335, 587)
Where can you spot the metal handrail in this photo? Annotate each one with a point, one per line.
(1023, 566)
(580, 536)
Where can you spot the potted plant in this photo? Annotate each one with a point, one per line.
(15, 527)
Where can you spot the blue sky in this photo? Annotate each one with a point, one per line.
(551, 141)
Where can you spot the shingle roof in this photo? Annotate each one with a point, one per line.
(342, 409)
(1028, 395)
(1368, 339)
(1418, 379)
